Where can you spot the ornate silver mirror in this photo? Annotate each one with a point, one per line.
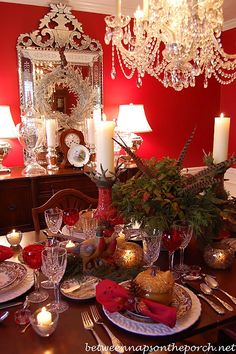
(60, 69)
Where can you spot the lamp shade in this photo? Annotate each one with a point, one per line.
(132, 118)
(7, 127)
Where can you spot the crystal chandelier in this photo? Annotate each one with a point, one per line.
(173, 40)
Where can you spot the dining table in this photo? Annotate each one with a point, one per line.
(70, 337)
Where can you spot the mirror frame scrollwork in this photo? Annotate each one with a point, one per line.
(41, 66)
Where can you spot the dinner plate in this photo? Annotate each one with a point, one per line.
(87, 289)
(7, 275)
(181, 300)
(158, 329)
(19, 270)
(20, 285)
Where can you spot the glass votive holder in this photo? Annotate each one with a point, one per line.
(14, 238)
(44, 322)
(22, 317)
(218, 255)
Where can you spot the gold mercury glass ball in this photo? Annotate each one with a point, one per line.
(128, 255)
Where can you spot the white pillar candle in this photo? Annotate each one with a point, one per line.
(118, 8)
(51, 132)
(97, 114)
(221, 138)
(90, 131)
(105, 146)
(44, 318)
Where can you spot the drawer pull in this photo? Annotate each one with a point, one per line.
(12, 207)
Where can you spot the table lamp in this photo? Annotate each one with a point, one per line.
(7, 131)
(132, 119)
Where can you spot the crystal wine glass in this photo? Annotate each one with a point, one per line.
(70, 218)
(32, 257)
(186, 232)
(53, 218)
(172, 240)
(54, 260)
(151, 246)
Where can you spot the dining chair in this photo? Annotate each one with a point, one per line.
(63, 199)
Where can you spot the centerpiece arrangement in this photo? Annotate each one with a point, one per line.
(161, 194)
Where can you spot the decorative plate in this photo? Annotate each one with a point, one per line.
(158, 329)
(20, 272)
(83, 289)
(78, 155)
(23, 282)
(7, 275)
(181, 300)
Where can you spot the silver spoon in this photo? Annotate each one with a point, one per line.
(3, 315)
(208, 291)
(213, 284)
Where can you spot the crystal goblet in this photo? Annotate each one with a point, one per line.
(70, 218)
(53, 218)
(172, 240)
(32, 257)
(54, 260)
(186, 232)
(151, 246)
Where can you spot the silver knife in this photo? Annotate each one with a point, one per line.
(5, 306)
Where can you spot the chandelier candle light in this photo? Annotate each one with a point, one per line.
(221, 138)
(173, 40)
(51, 133)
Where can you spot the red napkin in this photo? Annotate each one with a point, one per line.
(5, 253)
(115, 298)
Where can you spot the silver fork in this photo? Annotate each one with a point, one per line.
(89, 325)
(118, 346)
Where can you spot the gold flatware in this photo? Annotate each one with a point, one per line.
(118, 346)
(89, 325)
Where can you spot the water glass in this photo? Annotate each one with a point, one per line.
(54, 260)
(53, 219)
(186, 232)
(151, 246)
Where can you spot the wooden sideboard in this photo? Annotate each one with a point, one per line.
(18, 194)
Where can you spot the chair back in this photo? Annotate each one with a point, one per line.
(63, 199)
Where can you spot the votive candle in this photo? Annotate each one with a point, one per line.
(44, 318)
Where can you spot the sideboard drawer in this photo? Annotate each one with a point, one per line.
(48, 186)
(14, 206)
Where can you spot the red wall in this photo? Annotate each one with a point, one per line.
(228, 92)
(172, 115)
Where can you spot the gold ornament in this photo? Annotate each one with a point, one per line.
(128, 255)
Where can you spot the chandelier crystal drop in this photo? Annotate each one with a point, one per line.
(173, 40)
